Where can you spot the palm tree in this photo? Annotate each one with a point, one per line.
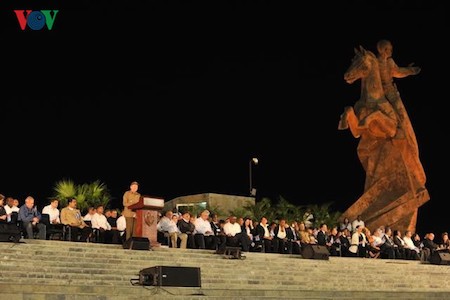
(215, 210)
(322, 214)
(97, 194)
(240, 212)
(87, 194)
(262, 208)
(286, 210)
(81, 196)
(64, 190)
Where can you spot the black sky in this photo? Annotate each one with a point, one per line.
(179, 95)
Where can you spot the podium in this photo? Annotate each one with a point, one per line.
(147, 217)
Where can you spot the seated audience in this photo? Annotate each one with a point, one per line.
(403, 252)
(168, 225)
(445, 242)
(355, 249)
(121, 227)
(428, 243)
(414, 251)
(53, 222)
(115, 233)
(335, 242)
(234, 235)
(204, 236)
(8, 231)
(265, 237)
(31, 220)
(187, 227)
(283, 237)
(218, 231)
(388, 248)
(88, 216)
(79, 231)
(100, 223)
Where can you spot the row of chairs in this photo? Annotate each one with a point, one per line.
(53, 231)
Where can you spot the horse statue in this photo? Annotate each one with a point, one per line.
(373, 114)
(390, 197)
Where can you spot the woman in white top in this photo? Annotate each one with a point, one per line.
(355, 241)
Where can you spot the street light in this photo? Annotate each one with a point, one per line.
(253, 161)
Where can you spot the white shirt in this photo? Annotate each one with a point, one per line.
(266, 231)
(8, 209)
(99, 221)
(52, 212)
(232, 229)
(356, 223)
(281, 234)
(364, 239)
(121, 223)
(88, 217)
(203, 226)
(166, 224)
(410, 244)
(377, 241)
(248, 230)
(348, 226)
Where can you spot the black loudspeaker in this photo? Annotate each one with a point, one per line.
(440, 258)
(315, 252)
(170, 276)
(137, 243)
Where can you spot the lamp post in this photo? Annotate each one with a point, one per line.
(253, 161)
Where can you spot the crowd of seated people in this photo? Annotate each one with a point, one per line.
(207, 231)
(26, 221)
(9, 231)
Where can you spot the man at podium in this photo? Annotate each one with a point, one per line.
(130, 197)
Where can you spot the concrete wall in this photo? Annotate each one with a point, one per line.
(224, 203)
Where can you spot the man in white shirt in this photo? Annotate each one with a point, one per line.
(414, 251)
(101, 225)
(121, 226)
(52, 211)
(264, 235)
(168, 225)
(358, 222)
(9, 205)
(53, 222)
(89, 214)
(204, 236)
(11, 208)
(235, 237)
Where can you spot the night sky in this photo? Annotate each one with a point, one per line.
(180, 95)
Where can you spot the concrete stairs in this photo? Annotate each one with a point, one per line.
(61, 270)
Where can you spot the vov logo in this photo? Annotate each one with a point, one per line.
(36, 19)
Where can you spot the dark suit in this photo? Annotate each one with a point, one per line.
(267, 244)
(388, 248)
(188, 228)
(283, 245)
(345, 245)
(220, 236)
(10, 231)
(322, 238)
(427, 243)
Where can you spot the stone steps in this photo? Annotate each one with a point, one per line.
(83, 292)
(49, 269)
